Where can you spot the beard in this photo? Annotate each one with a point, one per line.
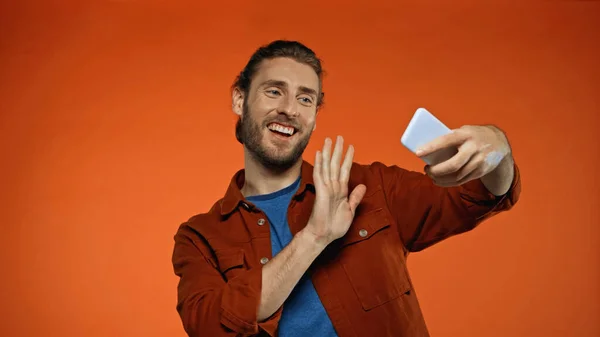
(250, 133)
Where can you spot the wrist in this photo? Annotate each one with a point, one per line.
(311, 240)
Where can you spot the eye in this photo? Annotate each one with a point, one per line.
(273, 92)
(306, 100)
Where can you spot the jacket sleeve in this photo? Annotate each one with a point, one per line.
(210, 306)
(427, 214)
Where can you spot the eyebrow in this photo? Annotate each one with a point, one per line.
(277, 83)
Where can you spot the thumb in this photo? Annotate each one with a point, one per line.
(356, 196)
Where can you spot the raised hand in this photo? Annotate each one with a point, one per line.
(334, 209)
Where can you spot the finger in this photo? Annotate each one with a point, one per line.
(346, 166)
(485, 163)
(454, 138)
(356, 197)
(458, 178)
(317, 169)
(336, 158)
(471, 166)
(456, 162)
(477, 173)
(326, 157)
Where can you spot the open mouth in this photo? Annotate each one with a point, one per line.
(281, 130)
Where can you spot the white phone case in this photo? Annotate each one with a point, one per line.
(423, 128)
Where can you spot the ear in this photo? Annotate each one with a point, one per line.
(237, 101)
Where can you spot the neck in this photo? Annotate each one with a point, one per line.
(259, 179)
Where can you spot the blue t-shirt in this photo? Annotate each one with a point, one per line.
(303, 313)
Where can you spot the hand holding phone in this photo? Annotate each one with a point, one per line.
(422, 129)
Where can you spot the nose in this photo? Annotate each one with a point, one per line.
(288, 106)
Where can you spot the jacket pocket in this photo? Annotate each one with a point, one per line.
(373, 260)
(231, 262)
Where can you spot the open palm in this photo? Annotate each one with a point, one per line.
(334, 209)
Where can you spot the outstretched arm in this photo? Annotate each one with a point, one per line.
(456, 195)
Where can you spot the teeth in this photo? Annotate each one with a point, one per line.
(280, 128)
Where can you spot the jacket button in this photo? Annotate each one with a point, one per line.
(261, 222)
(363, 232)
(264, 260)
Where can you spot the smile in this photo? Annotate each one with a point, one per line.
(280, 129)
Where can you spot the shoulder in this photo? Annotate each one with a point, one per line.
(201, 224)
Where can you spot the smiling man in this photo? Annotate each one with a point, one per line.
(296, 250)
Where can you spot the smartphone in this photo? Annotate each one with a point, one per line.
(423, 128)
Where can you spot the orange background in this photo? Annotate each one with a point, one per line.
(116, 126)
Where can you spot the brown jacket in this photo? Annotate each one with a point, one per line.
(362, 278)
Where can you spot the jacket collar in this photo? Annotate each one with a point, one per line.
(233, 196)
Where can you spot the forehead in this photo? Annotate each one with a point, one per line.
(294, 73)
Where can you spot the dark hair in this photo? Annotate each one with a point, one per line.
(280, 48)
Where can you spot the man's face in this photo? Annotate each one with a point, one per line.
(278, 114)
